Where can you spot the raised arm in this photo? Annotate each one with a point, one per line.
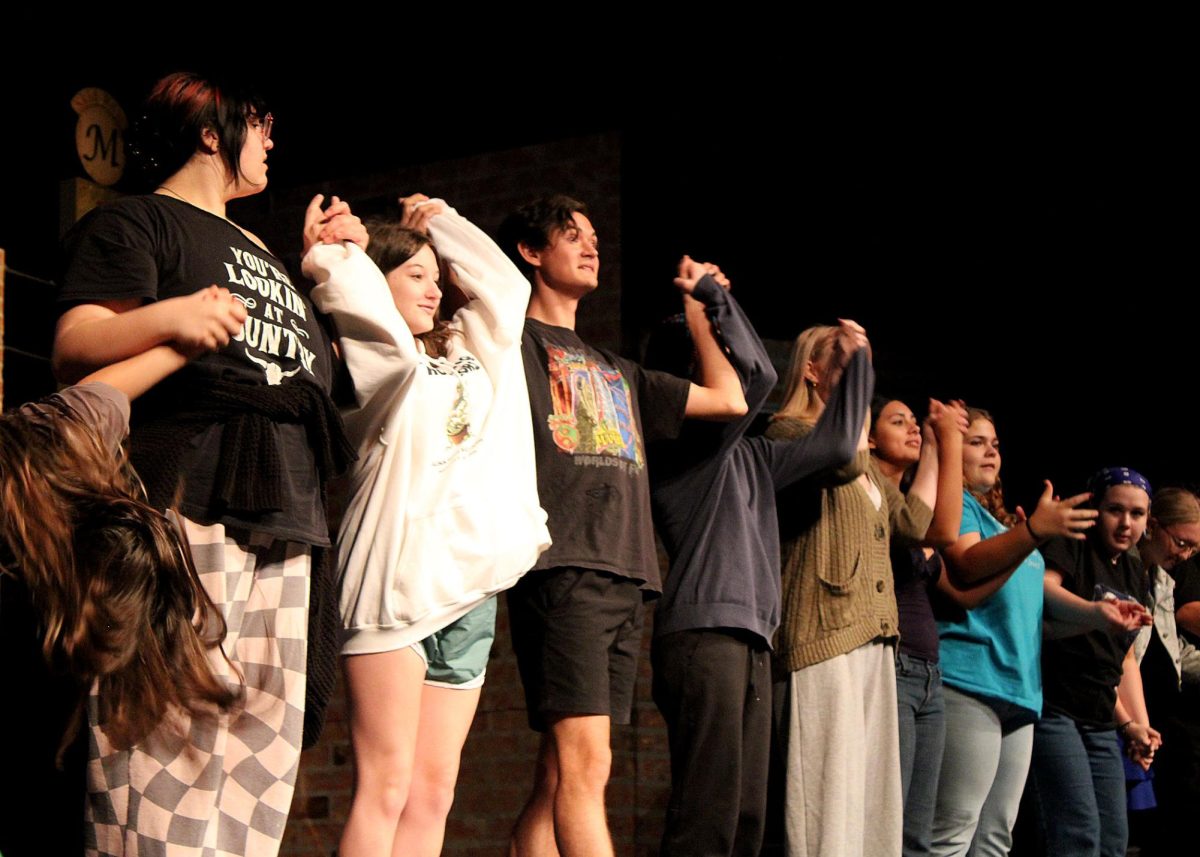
(945, 427)
(718, 395)
(739, 342)
(973, 560)
(834, 440)
(376, 343)
(489, 279)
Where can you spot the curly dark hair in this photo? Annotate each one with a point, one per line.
(534, 223)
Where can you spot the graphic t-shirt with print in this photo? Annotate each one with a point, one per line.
(593, 414)
(155, 247)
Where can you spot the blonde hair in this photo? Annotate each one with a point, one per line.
(811, 346)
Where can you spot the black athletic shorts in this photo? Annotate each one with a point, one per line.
(576, 633)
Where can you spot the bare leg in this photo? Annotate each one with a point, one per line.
(584, 763)
(385, 692)
(533, 834)
(446, 716)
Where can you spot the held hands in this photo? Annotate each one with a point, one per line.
(850, 337)
(1118, 616)
(206, 320)
(418, 210)
(691, 272)
(333, 224)
(1141, 743)
(943, 419)
(1055, 517)
(949, 417)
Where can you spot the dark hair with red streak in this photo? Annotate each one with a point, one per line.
(174, 117)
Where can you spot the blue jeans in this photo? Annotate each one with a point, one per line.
(922, 722)
(1081, 785)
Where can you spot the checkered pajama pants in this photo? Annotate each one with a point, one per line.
(221, 786)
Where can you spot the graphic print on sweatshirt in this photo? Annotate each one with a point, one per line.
(271, 337)
(593, 418)
(460, 435)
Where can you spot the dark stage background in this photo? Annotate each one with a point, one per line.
(1018, 240)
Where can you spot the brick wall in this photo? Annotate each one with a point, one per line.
(497, 766)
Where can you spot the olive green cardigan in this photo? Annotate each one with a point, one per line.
(837, 574)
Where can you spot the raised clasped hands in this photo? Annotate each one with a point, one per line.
(942, 419)
(417, 210)
(333, 224)
(690, 272)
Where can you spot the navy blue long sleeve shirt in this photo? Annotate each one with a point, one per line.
(713, 489)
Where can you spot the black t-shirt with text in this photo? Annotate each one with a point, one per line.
(155, 247)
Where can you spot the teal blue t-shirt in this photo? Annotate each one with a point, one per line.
(996, 649)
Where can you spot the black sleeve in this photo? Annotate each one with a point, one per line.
(834, 439)
(1187, 583)
(1060, 555)
(109, 255)
(662, 399)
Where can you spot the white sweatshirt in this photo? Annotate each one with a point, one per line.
(444, 510)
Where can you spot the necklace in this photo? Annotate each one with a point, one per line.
(180, 196)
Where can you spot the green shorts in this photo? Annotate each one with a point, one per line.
(457, 655)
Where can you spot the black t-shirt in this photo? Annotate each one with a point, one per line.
(1187, 590)
(156, 247)
(1080, 673)
(593, 413)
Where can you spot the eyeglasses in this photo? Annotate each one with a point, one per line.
(261, 124)
(1182, 545)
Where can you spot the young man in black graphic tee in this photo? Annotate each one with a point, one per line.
(576, 617)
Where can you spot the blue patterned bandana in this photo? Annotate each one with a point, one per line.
(1104, 479)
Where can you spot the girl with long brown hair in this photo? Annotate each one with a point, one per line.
(896, 441)
(104, 582)
(443, 510)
